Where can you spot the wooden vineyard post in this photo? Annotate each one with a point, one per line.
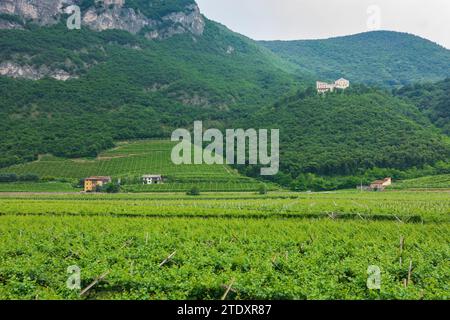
(402, 242)
(97, 280)
(167, 259)
(409, 272)
(229, 288)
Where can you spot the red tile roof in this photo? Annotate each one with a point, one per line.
(98, 178)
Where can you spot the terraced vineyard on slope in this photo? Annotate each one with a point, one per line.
(133, 159)
(429, 182)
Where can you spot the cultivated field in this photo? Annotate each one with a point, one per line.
(134, 159)
(277, 246)
(429, 182)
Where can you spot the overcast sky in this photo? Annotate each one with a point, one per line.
(315, 19)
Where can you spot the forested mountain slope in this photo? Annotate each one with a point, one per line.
(346, 133)
(382, 58)
(73, 92)
(433, 99)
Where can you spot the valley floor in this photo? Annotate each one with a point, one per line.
(277, 246)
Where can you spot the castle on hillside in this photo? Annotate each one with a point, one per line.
(323, 87)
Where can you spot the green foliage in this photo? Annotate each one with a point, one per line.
(194, 191)
(130, 160)
(262, 189)
(157, 9)
(11, 18)
(8, 177)
(111, 188)
(433, 99)
(317, 257)
(128, 87)
(53, 186)
(31, 177)
(347, 133)
(429, 182)
(381, 58)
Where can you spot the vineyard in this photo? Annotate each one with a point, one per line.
(134, 159)
(276, 246)
(38, 187)
(430, 182)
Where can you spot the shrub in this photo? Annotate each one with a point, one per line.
(194, 191)
(111, 188)
(262, 189)
(48, 179)
(8, 177)
(29, 177)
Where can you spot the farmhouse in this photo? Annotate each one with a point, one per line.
(380, 185)
(152, 179)
(91, 183)
(323, 87)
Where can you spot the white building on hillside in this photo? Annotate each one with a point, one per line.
(323, 87)
(342, 84)
(152, 179)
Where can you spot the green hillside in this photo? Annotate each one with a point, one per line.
(429, 182)
(433, 99)
(380, 57)
(129, 161)
(346, 133)
(127, 87)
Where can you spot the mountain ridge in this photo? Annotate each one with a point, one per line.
(385, 58)
(156, 20)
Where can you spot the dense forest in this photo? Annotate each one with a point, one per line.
(128, 87)
(433, 99)
(346, 134)
(382, 58)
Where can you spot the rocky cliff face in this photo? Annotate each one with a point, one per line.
(101, 15)
(43, 12)
(26, 71)
(190, 21)
(106, 14)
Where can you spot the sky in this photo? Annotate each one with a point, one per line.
(318, 19)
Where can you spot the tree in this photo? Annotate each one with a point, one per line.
(262, 189)
(8, 177)
(31, 177)
(112, 188)
(194, 191)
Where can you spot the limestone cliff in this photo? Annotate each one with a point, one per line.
(97, 15)
(106, 14)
